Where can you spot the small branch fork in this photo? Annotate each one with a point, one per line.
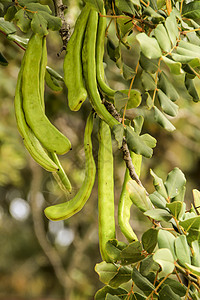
(65, 28)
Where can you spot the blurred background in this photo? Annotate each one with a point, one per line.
(45, 260)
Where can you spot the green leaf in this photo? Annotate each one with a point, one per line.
(149, 101)
(193, 223)
(106, 271)
(174, 66)
(189, 83)
(175, 208)
(157, 200)
(118, 131)
(176, 287)
(166, 240)
(110, 297)
(148, 81)
(112, 250)
(22, 20)
(39, 24)
(196, 253)
(195, 270)
(137, 144)
(189, 46)
(172, 28)
(54, 23)
(138, 123)
(7, 27)
(167, 87)
(113, 51)
(3, 60)
(121, 99)
(167, 293)
(162, 37)
(101, 294)
(128, 72)
(159, 185)
(149, 11)
(20, 40)
(158, 214)
(149, 239)
(182, 250)
(37, 7)
(135, 296)
(123, 275)
(174, 182)
(142, 282)
(180, 196)
(149, 65)
(182, 58)
(187, 52)
(162, 120)
(10, 13)
(148, 265)
(149, 46)
(125, 6)
(138, 195)
(196, 196)
(132, 253)
(169, 107)
(53, 73)
(149, 140)
(191, 10)
(52, 82)
(165, 259)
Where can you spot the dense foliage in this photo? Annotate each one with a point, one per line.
(155, 48)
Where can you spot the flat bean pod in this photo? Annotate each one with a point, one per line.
(60, 176)
(49, 136)
(125, 202)
(105, 189)
(99, 57)
(89, 69)
(73, 76)
(66, 210)
(30, 141)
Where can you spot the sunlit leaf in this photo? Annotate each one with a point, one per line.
(158, 214)
(158, 200)
(182, 250)
(138, 195)
(165, 259)
(167, 240)
(162, 37)
(149, 46)
(174, 182)
(7, 27)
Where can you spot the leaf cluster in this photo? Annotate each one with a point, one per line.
(169, 248)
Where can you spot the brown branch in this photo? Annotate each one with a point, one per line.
(65, 28)
(40, 232)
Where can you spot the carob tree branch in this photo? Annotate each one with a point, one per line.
(126, 153)
(65, 28)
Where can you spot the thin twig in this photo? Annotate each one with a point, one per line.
(40, 232)
(126, 153)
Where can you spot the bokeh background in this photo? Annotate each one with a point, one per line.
(45, 260)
